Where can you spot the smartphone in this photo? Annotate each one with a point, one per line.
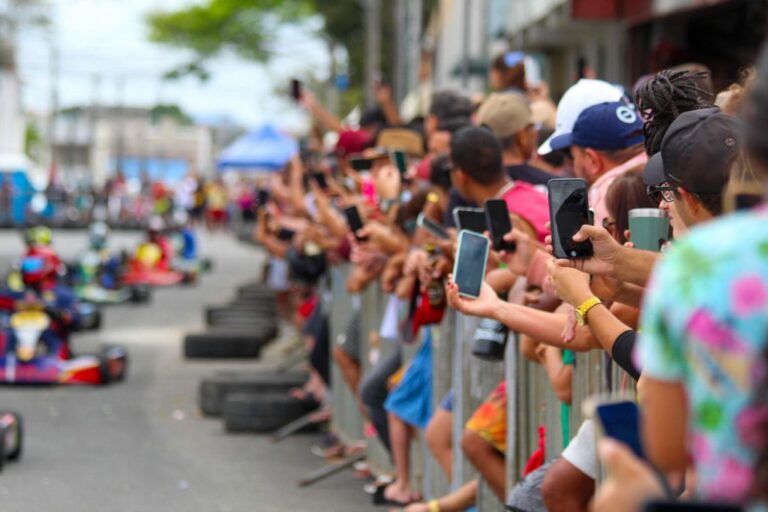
(263, 197)
(432, 227)
(286, 235)
(471, 219)
(295, 89)
(399, 160)
(319, 177)
(361, 164)
(620, 420)
(354, 220)
(471, 259)
(747, 201)
(499, 224)
(568, 211)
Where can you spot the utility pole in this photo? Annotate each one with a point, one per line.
(465, 45)
(54, 104)
(372, 48)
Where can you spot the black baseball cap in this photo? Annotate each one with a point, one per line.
(697, 152)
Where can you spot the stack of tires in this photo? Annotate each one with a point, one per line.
(254, 402)
(237, 330)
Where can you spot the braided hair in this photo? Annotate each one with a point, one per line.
(664, 97)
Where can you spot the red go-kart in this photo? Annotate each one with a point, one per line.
(150, 266)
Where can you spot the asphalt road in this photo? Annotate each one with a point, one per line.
(141, 444)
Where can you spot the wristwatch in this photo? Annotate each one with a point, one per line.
(583, 309)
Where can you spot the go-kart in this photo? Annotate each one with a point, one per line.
(11, 436)
(34, 350)
(97, 283)
(149, 268)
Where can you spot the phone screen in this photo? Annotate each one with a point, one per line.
(568, 211)
(469, 268)
(689, 506)
(398, 160)
(354, 220)
(296, 89)
(286, 235)
(432, 227)
(621, 421)
(471, 219)
(263, 197)
(499, 224)
(319, 177)
(361, 164)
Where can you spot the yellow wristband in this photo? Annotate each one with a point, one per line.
(583, 309)
(434, 506)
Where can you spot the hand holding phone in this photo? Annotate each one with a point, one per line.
(399, 160)
(354, 221)
(620, 420)
(320, 179)
(499, 224)
(432, 227)
(568, 211)
(471, 260)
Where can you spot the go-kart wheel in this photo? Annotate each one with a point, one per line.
(189, 278)
(96, 322)
(206, 265)
(106, 378)
(140, 293)
(13, 434)
(263, 413)
(213, 391)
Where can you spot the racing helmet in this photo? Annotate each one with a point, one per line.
(148, 254)
(35, 270)
(38, 235)
(97, 235)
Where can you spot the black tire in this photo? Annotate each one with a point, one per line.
(267, 331)
(140, 293)
(262, 413)
(206, 265)
(214, 390)
(213, 313)
(224, 345)
(16, 452)
(106, 377)
(189, 278)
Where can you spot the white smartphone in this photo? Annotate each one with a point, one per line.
(471, 260)
(432, 227)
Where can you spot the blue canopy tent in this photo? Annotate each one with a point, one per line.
(264, 148)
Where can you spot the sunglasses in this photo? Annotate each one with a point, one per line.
(658, 193)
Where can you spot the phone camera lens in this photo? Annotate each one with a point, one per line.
(574, 254)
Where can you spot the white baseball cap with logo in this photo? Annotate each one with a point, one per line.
(581, 95)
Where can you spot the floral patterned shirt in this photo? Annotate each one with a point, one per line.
(705, 325)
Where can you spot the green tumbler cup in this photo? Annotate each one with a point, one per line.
(649, 228)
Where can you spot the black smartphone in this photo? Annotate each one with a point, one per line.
(688, 506)
(286, 235)
(361, 164)
(499, 224)
(568, 211)
(621, 421)
(469, 267)
(399, 160)
(262, 197)
(471, 219)
(747, 201)
(295, 89)
(320, 179)
(432, 227)
(354, 221)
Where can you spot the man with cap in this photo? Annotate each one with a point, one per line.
(606, 141)
(688, 176)
(579, 97)
(509, 117)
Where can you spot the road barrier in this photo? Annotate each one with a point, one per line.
(531, 404)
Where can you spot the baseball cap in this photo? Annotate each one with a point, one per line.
(697, 152)
(581, 95)
(606, 126)
(505, 113)
(352, 141)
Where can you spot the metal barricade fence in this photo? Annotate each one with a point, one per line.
(531, 401)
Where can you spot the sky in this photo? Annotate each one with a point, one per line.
(102, 42)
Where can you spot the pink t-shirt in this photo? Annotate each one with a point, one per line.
(599, 188)
(527, 202)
